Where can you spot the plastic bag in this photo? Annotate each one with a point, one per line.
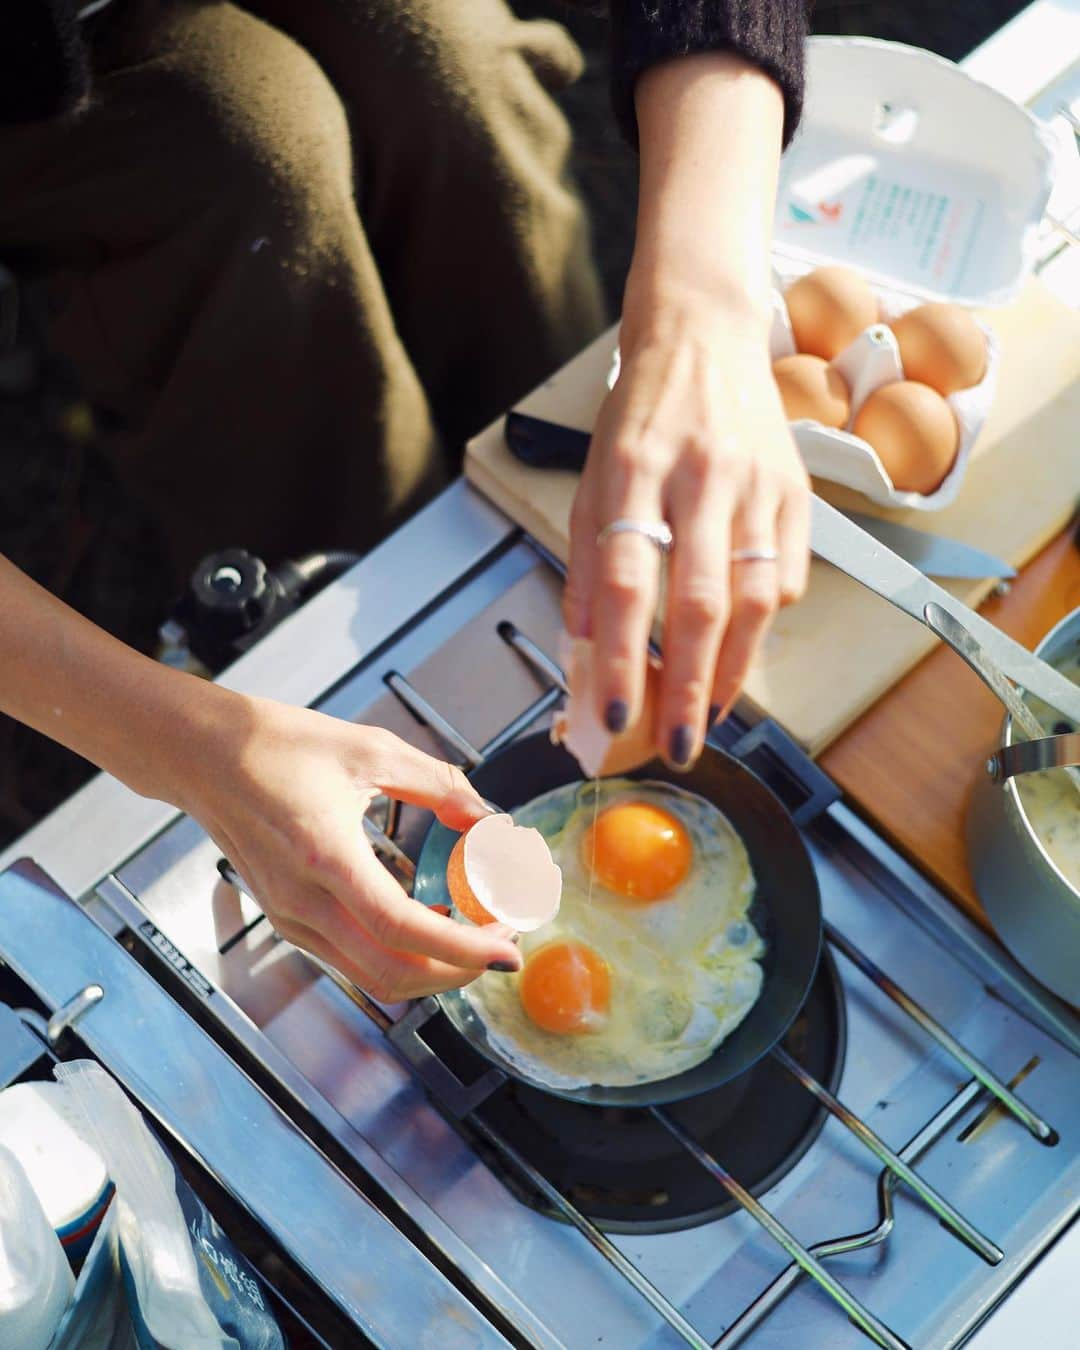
(98, 1316)
(188, 1287)
(36, 1282)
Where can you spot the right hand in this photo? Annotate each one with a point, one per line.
(283, 790)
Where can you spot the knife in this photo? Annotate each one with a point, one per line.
(547, 445)
(933, 554)
(841, 542)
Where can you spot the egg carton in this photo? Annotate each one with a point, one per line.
(885, 122)
(873, 360)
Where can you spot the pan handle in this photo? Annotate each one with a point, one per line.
(787, 769)
(459, 1098)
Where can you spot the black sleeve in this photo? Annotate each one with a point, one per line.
(43, 64)
(769, 33)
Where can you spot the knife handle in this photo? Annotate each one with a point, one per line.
(545, 445)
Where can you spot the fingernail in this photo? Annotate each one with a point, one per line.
(616, 716)
(504, 967)
(682, 740)
(714, 713)
(441, 909)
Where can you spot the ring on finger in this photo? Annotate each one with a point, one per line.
(745, 555)
(657, 532)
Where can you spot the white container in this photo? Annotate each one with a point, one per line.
(40, 1124)
(36, 1282)
(930, 184)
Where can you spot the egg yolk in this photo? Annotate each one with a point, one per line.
(565, 987)
(637, 850)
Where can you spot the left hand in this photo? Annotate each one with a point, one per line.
(693, 433)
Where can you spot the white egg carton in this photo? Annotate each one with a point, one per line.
(930, 184)
(871, 361)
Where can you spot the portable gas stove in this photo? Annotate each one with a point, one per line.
(396, 1190)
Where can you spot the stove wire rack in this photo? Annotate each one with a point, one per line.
(462, 1100)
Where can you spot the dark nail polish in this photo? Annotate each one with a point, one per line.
(682, 741)
(714, 713)
(504, 967)
(616, 716)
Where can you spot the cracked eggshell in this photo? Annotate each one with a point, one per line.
(579, 729)
(499, 872)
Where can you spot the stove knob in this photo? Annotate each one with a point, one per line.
(231, 600)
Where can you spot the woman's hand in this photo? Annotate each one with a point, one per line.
(282, 792)
(693, 433)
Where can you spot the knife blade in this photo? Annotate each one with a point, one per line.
(935, 555)
(841, 542)
(547, 445)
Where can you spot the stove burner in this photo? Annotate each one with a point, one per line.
(625, 1172)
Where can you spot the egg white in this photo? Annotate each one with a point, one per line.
(685, 970)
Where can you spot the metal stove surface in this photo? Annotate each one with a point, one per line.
(552, 1284)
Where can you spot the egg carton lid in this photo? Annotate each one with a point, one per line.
(904, 166)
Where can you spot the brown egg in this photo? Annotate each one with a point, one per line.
(809, 387)
(942, 346)
(914, 432)
(829, 308)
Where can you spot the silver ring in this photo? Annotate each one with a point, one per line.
(656, 532)
(754, 555)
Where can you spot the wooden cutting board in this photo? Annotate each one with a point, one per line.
(828, 658)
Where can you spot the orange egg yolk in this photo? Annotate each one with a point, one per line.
(637, 850)
(565, 987)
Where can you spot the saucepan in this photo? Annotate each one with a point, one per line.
(1032, 904)
(1029, 898)
(786, 910)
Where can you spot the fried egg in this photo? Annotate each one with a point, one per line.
(652, 959)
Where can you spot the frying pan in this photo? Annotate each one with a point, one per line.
(786, 910)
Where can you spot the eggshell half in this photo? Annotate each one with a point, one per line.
(502, 872)
(579, 728)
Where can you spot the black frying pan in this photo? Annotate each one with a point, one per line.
(786, 909)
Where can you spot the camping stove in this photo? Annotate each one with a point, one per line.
(887, 1175)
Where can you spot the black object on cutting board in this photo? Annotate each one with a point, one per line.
(545, 445)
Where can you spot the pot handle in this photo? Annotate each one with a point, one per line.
(1048, 752)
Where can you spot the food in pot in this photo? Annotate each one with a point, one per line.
(914, 432)
(828, 309)
(652, 960)
(1050, 799)
(941, 345)
(499, 872)
(809, 387)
